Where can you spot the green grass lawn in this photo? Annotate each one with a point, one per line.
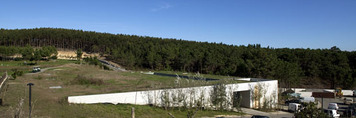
(196, 74)
(52, 102)
(149, 77)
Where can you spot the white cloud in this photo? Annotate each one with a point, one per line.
(161, 7)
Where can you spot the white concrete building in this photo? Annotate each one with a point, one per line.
(253, 93)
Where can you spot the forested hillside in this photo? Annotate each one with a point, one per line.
(332, 65)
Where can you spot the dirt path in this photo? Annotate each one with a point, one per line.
(112, 65)
(44, 69)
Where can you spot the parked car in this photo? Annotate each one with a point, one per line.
(258, 116)
(291, 101)
(332, 113)
(333, 106)
(307, 99)
(348, 101)
(294, 107)
(36, 69)
(350, 111)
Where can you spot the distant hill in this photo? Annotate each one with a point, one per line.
(332, 66)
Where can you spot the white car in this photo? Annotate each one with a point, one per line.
(36, 69)
(307, 99)
(333, 106)
(332, 113)
(294, 107)
(348, 101)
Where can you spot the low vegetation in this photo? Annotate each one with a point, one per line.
(82, 80)
(16, 73)
(74, 80)
(310, 110)
(193, 100)
(95, 61)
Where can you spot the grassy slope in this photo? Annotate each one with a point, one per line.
(52, 102)
(194, 74)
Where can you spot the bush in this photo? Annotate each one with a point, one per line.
(18, 59)
(53, 57)
(81, 80)
(106, 67)
(311, 111)
(16, 73)
(92, 61)
(63, 101)
(219, 96)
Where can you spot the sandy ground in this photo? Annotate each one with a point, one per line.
(72, 55)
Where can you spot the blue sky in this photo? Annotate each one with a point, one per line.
(275, 23)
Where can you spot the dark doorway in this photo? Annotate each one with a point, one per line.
(241, 99)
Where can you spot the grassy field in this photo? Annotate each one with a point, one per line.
(26, 66)
(52, 102)
(196, 74)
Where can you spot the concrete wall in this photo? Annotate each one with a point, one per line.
(3, 79)
(193, 95)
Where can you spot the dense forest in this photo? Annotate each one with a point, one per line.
(290, 66)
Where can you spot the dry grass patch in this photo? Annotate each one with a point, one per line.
(82, 80)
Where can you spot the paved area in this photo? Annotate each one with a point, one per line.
(249, 112)
(342, 107)
(277, 114)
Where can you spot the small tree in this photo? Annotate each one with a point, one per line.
(79, 55)
(49, 52)
(53, 52)
(257, 95)
(218, 96)
(27, 52)
(16, 73)
(165, 99)
(310, 111)
(37, 55)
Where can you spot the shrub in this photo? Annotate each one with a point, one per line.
(16, 73)
(106, 67)
(63, 101)
(18, 59)
(53, 57)
(219, 96)
(311, 111)
(92, 61)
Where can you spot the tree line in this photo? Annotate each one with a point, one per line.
(287, 65)
(28, 53)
